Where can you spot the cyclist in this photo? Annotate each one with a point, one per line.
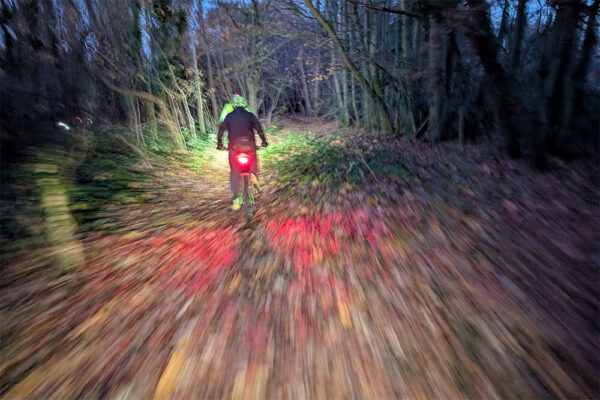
(240, 125)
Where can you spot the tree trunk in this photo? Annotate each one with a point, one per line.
(133, 118)
(224, 79)
(405, 31)
(206, 47)
(344, 85)
(191, 124)
(149, 107)
(589, 43)
(177, 117)
(416, 38)
(461, 127)
(274, 104)
(367, 101)
(164, 110)
(354, 103)
(503, 24)
(137, 124)
(405, 83)
(398, 43)
(341, 111)
(559, 90)
(199, 99)
(575, 118)
(361, 42)
(451, 77)
(338, 95)
(435, 79)
(303, 82)
(139, 116)
(501, 85)
(342, 23)
(317, 84)
(186, 108)
(212, 89)
(515, 57)
(372, 26)
(252, 93)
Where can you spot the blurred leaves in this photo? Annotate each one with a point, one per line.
(438, 279)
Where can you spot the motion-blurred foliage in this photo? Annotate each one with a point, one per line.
(110, 173)
(331, 161)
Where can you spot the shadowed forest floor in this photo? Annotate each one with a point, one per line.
(470, 276)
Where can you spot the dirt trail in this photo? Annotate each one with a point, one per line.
(374, 301)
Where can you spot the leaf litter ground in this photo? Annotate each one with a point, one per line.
(457, 274)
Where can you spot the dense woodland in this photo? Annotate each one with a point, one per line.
(524, 72)
(426, 225)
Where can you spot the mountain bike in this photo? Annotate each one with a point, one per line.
(244, 162)
(243, 158)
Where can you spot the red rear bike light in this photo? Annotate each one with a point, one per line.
(243, 159)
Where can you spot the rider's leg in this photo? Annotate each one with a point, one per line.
(254, 170)
(254, 166)
(234, 176)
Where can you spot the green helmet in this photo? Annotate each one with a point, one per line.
(239, 101)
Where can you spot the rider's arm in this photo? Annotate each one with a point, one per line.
(258, 128)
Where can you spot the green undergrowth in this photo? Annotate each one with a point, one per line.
(21, 223)
(198, 151)
(271, 131)
(114, 174)
(111, 173)
(311, 161)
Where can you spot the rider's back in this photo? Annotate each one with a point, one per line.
(241, 125)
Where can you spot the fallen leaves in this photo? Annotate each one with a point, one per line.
(471, 281)
(167, 384)
(344, 314)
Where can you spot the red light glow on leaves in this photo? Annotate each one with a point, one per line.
(310, 239)
(192, 259)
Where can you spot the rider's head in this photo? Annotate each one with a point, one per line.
(239, 101)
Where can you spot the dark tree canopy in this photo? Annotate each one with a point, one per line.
(437, 70)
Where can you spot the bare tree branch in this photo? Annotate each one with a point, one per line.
(383, 9)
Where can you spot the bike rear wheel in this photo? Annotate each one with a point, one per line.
(247, 199)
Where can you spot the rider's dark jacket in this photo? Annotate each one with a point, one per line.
(241, 125)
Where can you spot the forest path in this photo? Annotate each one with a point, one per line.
(411, 299)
